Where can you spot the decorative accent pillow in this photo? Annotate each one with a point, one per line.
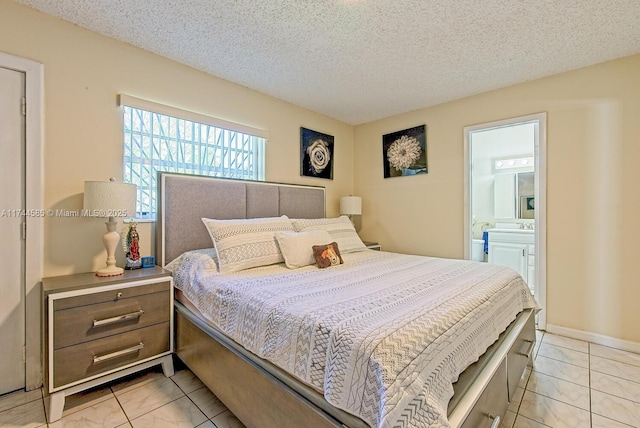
(327, 255)
(296, 246)
(246, 243)
(341, 230)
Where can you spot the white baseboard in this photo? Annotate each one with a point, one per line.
(612, 342)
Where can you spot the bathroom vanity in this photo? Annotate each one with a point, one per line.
(514, 248)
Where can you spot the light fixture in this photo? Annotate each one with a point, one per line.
(110, 199)
(514, 163)
(351, 205)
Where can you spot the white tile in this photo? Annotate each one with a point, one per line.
(126, 425)
(29, 415)
(598, 421)
(615, 386)
(552, 412)
(107, 414)
(615, 368)
(564, 371)
(207, 402)
(148, 397)
(560, 390)
(19, 398)
(615, 354)
(207, 424)
(187, 381)
(179, 413)
(615, 408)
(227, 420)
(566, 342)
(565, 355)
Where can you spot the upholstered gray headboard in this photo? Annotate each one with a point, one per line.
(184, 199)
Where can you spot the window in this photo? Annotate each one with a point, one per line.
(162, 138)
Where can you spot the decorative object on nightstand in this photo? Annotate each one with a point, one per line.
(131, 247)
(148, 262)
(98, 329)
(110, 199)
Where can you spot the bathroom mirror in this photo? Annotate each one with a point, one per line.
(514, 195)
(525, 195)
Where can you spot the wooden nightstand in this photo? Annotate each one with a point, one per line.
(99, 329)
(373, 245)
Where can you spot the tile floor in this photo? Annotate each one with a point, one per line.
(573, 384)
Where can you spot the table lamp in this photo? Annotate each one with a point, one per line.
(350, 205)
(110, 199)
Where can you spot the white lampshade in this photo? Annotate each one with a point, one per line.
(351, 205)
(110, 199)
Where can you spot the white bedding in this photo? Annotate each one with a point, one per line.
(384, 335)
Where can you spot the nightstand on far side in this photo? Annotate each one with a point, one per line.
(372, 245)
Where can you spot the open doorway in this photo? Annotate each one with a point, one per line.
(505, 198)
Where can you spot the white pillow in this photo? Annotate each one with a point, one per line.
(246, 243)
(296, 246)
(341, 230)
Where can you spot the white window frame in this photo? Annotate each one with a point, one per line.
(199, 145)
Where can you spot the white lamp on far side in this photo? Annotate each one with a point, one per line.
(351, 205)
(110, 199)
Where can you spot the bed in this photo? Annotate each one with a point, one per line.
(278, 378)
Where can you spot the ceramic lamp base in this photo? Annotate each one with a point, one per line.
(110, 241)
(110, 271)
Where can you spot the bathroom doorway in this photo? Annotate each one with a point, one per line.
(505, 198)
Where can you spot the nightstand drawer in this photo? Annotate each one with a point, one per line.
(92, 358)
(110, 296)
(83, 323)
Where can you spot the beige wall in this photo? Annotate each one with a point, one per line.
(593, 157)
(84, 72)
(593, 198)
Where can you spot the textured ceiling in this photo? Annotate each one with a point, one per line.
(361, 60)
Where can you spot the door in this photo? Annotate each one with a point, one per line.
(12, 215)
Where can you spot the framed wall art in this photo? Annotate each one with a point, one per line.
(405, 152)
(316, 154)
(527, 206)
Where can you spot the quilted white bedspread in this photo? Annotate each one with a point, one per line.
(384, 335)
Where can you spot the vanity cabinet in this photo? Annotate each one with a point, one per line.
(515, 249)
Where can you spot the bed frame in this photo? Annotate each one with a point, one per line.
(256, 391)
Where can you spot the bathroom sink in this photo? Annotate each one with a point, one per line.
(510, 230)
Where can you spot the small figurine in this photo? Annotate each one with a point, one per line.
(131, 247)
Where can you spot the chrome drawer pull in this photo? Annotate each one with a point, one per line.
(119, 318)
(496, 421)
(99, 358)
(531, 345)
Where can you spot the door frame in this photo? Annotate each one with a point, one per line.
(34, 202)
(540, 154)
